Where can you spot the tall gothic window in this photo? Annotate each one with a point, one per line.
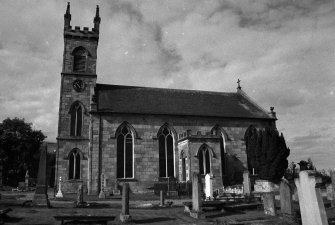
(76, 119)
(183, 166)
(74, 164)
(80, 55)
(223, 156)
(124, 153)
(166, 158)
(204, 161)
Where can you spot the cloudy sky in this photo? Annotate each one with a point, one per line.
(283, 51)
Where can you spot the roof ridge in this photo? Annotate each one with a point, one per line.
(168, 89)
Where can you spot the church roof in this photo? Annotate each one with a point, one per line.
(147, 100)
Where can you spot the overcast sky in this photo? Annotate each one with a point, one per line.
(283, 51)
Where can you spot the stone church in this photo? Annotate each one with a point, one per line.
(143, 135)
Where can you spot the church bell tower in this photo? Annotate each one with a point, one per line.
(78, 79)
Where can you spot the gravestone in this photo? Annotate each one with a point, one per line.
(266, 188)
(310, 200)
(80, 195)
(196, 196)
(332, 176)
(329, 189)
(285, 197)
(246, 183)
(124, 215)
(59, 193)
(102, 187)
(162, 198)
(117, 188)
(41, 192)
(26, 180)
(208, 187)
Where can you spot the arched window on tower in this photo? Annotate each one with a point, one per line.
(74, 164)
(166, 155)
(124, 152)
(80, 56)
(204, 158)
(76, 112)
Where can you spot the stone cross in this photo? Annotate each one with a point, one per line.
(285, 191)
(196, 196)
(102, 187)
(246, 183)
(208, 187)
(310, 200)
(124, 215)
(59, 193)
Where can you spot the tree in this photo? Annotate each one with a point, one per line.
(19, 149)
(269, 153)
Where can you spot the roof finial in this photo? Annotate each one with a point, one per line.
(68, 8)
(238, 84)
(67, 17)
(97, 20)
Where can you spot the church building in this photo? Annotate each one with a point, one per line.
(142, 135)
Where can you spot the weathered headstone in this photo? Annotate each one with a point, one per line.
(310, 200)
(246, 183)
(117, 187)
(208, 187)
(285, 197)
(266, 188)
(162, 198)
(196, 196)
(41, 192)
(59, 193)
(80, 195)
(332, 176)
(26, 180)
(102, 187)
(124, 215)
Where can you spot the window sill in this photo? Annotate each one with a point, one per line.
(126, 180)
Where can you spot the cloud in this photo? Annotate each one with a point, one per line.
(281, 50)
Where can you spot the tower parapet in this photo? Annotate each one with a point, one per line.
(77, 32)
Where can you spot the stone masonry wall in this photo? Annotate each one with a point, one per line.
(146, 160)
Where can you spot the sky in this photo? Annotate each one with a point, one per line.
(283, 51)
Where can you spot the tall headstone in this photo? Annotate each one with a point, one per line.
(26, 180)
(208, 187)
(310, 200)
(162, 198)
(196, 196)
(285, 197)
(41, 192)
(102, 186)
(124, 215)
(80, 195)
(246, 183)
(332, 176)
(59, 193)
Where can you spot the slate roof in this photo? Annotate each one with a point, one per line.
(146, 100)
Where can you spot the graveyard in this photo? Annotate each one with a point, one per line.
(238, 204)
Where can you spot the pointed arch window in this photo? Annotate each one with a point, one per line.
(166, 153)
(204, 161)
(124, 152)
(80, 56)
(74, 164)
(183, 165)
(76, 119)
